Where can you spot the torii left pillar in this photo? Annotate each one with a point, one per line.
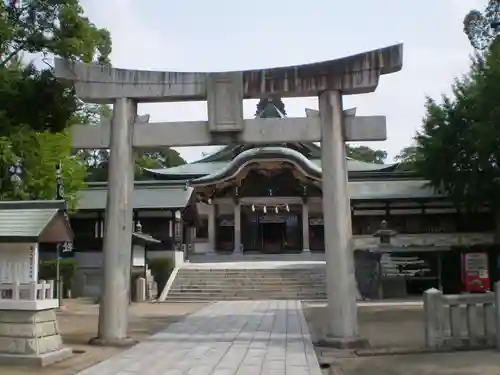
(113, 313)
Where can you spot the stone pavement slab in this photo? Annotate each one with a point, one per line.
(225, 338)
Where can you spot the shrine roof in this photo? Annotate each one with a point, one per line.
(201, 168)
(34, 221)
(161, 194)
(148, 197)
(143, 238)
(395, 190)
(220, 160)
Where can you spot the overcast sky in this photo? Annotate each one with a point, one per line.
(202, 35)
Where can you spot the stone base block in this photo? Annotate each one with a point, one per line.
(30, 337)
(117, 343)
(34, 360)
(344, 343)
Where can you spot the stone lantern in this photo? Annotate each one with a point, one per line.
(384, 234)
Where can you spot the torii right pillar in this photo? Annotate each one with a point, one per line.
(340, 278)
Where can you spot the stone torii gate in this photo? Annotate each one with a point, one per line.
(224, 93)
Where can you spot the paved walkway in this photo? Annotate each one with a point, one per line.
(226, 338)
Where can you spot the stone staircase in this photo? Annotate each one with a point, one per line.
(217, 284)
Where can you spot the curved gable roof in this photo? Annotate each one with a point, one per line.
(221, 160)
(261, 154)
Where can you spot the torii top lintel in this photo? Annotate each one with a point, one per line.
(355, 74)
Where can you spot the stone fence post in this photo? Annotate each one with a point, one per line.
(497, 313)
(433, 318)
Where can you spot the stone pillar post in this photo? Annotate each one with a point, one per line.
(340, 278)
(211, 227)
(237, 228)
(114, 302)
(496, 288)
(171, 229)
(305, 227)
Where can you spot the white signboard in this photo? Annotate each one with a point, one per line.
(138, 256)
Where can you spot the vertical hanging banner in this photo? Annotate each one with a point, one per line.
(64, 249)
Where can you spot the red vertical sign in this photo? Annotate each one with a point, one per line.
(476, 273)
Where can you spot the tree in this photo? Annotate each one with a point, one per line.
(407, 155)
(156, 159)
(30, 96)
(483, 27)
(35, 108)
(98, 159)
(39, 153)
(407, 158)
(460, 138)
(366, 154)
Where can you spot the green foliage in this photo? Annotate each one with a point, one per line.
(35, 108)
(407, 155)
(33, 97)
(407, 158)
(460, 137)
(162, 158)
(67, 269)
(39, 153)
(366, 154)
(50, 27)
(482, 27)
(97, 160)
(161, 268)
(29, 97)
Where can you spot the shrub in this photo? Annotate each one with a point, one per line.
(161, 268)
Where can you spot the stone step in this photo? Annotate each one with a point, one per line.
(243, 297)
(241, 292)
(244, 291)
(306, 283)
(256, 290)
(257, 284)
(201, 297)
(216, 271)
(187, 281)
(252, 280)
(251, 272)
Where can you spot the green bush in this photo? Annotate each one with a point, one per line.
(67, 268)
(161, 268)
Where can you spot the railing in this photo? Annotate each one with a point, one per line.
(468, 320)
(32, 291)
